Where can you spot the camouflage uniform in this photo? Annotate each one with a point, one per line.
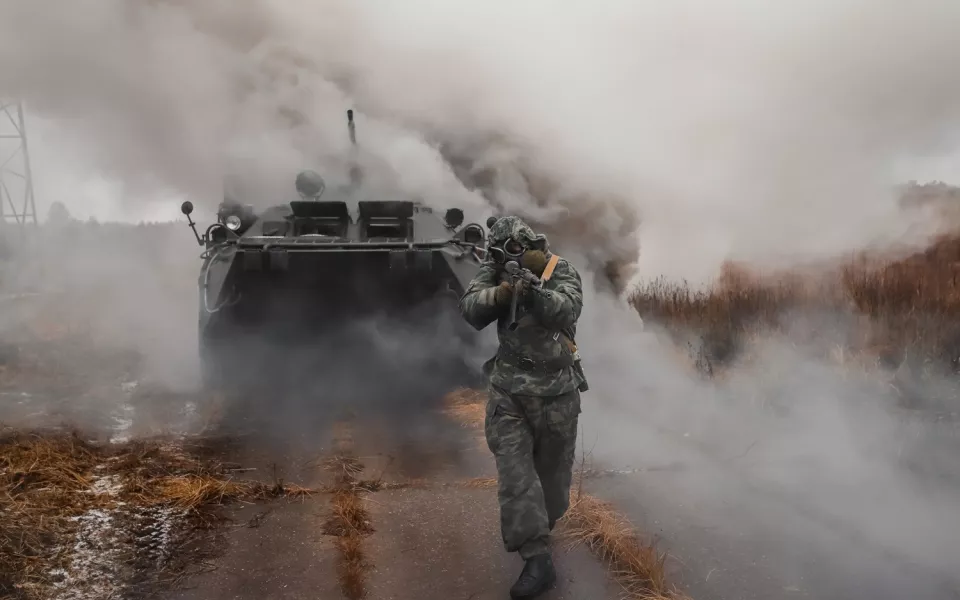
(534, 404)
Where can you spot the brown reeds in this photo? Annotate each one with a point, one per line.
(900, 306)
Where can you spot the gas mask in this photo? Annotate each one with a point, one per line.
(509, 249)
(510, 239)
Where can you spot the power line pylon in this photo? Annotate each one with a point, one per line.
(16, 180)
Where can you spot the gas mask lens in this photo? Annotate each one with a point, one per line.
(508, 250)
(513, 248)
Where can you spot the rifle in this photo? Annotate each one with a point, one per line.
(518, 274)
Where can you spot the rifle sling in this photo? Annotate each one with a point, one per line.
(551, 265)
(547, 274)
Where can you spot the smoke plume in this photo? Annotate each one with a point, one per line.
(735, 129)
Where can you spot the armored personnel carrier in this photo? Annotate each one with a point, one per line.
(285, 279)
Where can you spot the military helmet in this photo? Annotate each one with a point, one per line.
(510, 237)
(310, 184)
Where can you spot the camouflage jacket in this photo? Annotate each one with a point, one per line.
(546, 325)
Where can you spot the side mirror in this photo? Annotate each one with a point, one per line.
(453, 217)
(186, 208)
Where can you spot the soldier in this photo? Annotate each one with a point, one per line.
(535, 380)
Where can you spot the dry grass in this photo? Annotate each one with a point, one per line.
(42, 482)
(466, 397)
(352, 566)
(349, 520)
(637, 566)
(50, 479)
(377, 485)
(480, 483)
(466, 406)
(193, 491)
(344, 467)
(347, 515)
(469, 415)
(896, 307)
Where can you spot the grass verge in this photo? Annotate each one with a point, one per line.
(637, 566)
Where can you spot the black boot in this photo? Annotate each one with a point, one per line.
(537, 576)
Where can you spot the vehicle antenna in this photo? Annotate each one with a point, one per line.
(355, 174)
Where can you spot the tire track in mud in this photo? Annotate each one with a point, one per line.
(349, 520)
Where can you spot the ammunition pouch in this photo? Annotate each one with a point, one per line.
(572, 345)
(584, 386)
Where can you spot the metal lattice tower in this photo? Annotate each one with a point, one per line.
(16, 180)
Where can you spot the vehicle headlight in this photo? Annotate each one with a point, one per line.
(233, 222)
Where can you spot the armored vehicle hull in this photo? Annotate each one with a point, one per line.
(310, 286)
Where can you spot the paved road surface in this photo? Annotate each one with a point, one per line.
(447, 545)
(776, 547)
(442, 541)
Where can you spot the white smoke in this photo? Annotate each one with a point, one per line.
(736, 129)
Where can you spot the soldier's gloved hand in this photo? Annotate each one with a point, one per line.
(503, 294)
(535, 261)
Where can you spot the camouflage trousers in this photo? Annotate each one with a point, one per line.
(534, 442)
